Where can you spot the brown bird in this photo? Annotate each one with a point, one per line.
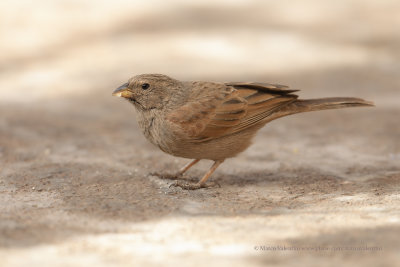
(212, 120)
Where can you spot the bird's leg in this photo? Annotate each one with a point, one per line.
(176, 175)
(187, 167)
(203, 180)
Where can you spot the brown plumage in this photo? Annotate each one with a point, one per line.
(212, 120)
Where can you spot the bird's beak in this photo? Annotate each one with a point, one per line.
(123, 91)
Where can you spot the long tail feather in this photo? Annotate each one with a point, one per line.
(300, 105)
(327, 103)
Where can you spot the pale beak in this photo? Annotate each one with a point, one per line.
(123, 91)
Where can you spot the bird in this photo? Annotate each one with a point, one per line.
(212, 120)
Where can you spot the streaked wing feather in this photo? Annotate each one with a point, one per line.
(222, 109)
(210, 111)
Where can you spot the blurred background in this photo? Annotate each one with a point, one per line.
(73, 165)
(62, 48)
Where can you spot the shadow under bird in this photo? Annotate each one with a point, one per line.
(212, 120)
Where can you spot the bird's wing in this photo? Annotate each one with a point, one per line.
(218, 109)
(263, 100)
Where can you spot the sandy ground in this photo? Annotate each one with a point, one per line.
(74, 183)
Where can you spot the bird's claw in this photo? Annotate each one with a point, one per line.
(193, 186)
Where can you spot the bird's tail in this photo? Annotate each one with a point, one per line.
(300, 105)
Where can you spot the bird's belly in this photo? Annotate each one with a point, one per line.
(159, 134)
(214, 149)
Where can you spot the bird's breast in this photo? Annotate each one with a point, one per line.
(153, 128)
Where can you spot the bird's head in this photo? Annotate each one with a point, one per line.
(148, 91)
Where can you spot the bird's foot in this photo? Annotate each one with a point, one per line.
(193, 186)
(169, 176)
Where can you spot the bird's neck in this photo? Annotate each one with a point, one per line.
(148, 123)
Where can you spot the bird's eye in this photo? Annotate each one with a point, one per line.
(145, 86)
